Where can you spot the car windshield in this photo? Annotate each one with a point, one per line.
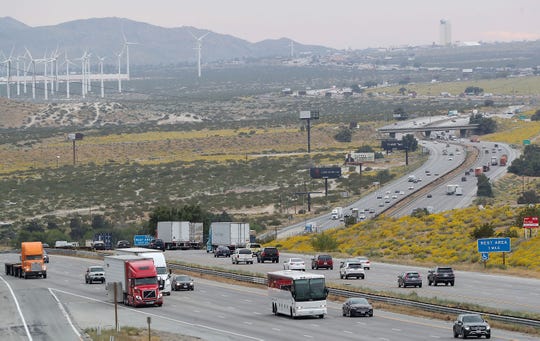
(146, 280)
(97, 268)
(309, 289)
(296, 260)
(34, 257)
(445, 269)
(161, 270)
(472, 319)
(183, 278)
(324, 257)
(244, 251)
(355, 265)
(412, 274)
(358, 300)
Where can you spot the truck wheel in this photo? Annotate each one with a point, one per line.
(44, 275)
(452, 283)
(25, 275)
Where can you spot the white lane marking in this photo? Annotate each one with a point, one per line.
(396, 329)
(221, 316)
(66, 315)
(276, 329)
(435, 336)
(18, 309)
(347, 332)
(138, 311)
(308, 336)
(248, 323)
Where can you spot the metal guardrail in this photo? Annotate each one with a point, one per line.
(332, 291)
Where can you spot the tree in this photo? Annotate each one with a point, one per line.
(409, 142)
(485, 231)
(370, 84)
(536, 116)
(473, 90)
(484, 186)
(486, 125)
(528, 163)
(344, 135)
(365, 149)
(324, 242)
(528, 197)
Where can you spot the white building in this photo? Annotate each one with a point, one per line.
(445, 32)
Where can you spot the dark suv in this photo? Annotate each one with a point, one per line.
(322, 261)
(222, 251)
(157, 244)
(471, 325)
(441, 275)
(268, 253)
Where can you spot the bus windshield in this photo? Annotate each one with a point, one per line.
(309, 289)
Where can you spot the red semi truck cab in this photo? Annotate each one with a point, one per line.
(137, 277)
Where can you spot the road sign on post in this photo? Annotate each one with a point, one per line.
(494, 245)
(530, 222)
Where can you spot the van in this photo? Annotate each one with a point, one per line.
(254, 247)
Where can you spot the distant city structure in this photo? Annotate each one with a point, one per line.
(445, 32)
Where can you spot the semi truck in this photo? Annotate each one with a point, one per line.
(180, 234)
(136, 280)
(503, 160)
(451, 189)
(459, 190)
(337, 213)
(160, 263)
(31, 262)
(229, 234)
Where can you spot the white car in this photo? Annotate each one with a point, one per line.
(294, 264)
(365, 262)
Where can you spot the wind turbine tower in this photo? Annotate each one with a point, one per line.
(292, 48)
(119, 56)
(199, 48)
(101, 59)
(126, 45)
(33, 65)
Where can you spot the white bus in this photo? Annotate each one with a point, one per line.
(297, 293)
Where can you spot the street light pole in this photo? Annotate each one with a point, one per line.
(57, 160)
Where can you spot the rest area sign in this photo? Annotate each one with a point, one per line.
(494, 245)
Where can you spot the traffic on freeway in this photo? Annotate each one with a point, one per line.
(62, 306)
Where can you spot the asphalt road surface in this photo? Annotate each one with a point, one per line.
(213, 311)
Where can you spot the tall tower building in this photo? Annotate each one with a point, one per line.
(445, 32)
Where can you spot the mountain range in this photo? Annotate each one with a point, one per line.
(154, 45)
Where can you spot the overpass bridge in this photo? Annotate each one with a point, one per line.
(463, 129)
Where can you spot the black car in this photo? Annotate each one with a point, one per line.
(157, 244)
(180, 282)
(409, 278)
(357, 306)
(222, 251)
(268, 253)
(471, 325)
(122, 244)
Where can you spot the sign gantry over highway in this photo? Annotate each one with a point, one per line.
(486, 245)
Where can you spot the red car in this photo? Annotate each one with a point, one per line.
(322, 261)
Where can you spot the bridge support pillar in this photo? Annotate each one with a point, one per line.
(427, 133)
(463, 133)
(392, 135)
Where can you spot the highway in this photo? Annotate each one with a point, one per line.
(213, 311)
(495, 291)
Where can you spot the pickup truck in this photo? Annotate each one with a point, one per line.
(441, 275)
(242, 256)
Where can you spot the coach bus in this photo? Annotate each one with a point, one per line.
(297, 293)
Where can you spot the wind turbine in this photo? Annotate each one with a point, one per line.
(292, 48)
(119, 56)
(101, 59)
(67, 62)
(126, 45)
(33, 65)
(199, 48)
(83, 59)
(8, 73)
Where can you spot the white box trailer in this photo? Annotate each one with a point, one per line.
(159, 262)
(229, 234)
(180, 234)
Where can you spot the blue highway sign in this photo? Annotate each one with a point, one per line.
(494, 245)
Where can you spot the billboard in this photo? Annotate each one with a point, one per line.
(391, 144)
(75, 136)
(354, 157)
(325, 172)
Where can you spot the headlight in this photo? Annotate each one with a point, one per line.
(487, 327)
(160, 295)
(467, 327)
(138, 298)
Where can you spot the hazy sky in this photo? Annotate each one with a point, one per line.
(339, 24)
